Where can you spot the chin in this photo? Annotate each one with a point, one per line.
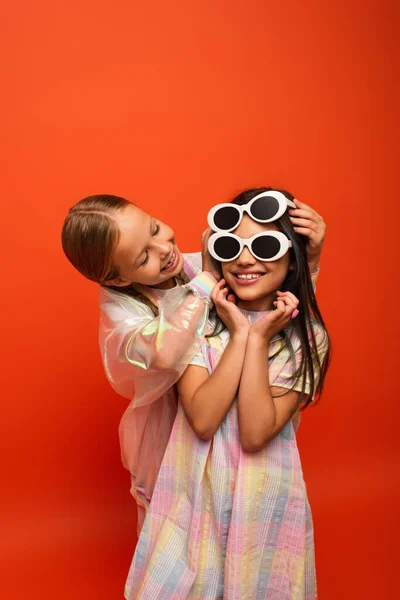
(248, 295)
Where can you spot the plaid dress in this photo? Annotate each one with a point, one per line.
(223, 523)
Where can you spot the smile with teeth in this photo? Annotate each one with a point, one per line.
(244, 279)
(248, 275)
(171, 261)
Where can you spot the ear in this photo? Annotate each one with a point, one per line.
(292, 266)
(118, 282)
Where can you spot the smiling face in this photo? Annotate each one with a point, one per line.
(255, 282)
(146, 252)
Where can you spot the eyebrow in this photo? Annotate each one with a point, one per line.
(145, 247)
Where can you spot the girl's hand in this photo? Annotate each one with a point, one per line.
(276, 320)
(228, 312)
(208, 262)
(309, 223)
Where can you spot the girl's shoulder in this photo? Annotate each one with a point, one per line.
(317, 339)
(117, 306)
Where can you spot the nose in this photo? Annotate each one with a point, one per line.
(163, 247)
(246, 258)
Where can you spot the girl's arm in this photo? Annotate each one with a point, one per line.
(261, 417)
(207, 398)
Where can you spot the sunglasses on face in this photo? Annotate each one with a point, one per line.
(264, 208)
(266, 246)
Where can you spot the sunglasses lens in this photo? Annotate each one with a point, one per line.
(266, 247)
(265, 208)
(226, 218)
(226, 247)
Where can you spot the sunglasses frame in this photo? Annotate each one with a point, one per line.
(246, 208)
(281, 237)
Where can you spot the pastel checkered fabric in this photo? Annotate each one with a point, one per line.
(223, 523)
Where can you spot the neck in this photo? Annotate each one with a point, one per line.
(258, 304)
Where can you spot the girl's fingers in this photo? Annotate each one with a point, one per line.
(302, 214)
(291, 303)
(217, 290)
(283, 295)
(280, 308)
(290, 299)
(221, 293)
(206, 234)
(224, 292)
(305, 214)
(308, 223)
(289, 306)
(218, 286)
(220, 303)
(310, 233)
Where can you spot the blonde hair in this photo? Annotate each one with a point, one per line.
(90, 235)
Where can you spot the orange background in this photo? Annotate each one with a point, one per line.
(178, 105)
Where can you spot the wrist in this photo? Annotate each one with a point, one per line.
(313, 264)
(207, 262)
(314, 268)
(259, 340)
(240, 335)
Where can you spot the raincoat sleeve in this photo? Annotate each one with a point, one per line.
(144, 355)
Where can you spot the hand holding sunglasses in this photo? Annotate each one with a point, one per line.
(308, 222)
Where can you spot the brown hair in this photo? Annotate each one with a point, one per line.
(89, 237)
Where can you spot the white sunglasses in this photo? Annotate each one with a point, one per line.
(264, 208)
(265, 246)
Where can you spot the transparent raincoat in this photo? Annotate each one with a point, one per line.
(143, 357)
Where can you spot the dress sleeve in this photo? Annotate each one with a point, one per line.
(284, 365)
(198, 359)
(144, 355)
